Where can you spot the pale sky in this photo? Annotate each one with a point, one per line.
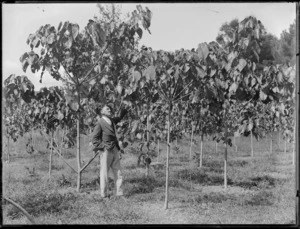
(174, 25)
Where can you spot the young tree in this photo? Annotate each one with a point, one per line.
(17, 91)
(87, 58)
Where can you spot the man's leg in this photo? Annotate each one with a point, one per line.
(116, 168)
(105, 162)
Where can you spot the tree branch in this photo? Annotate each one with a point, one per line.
(96, 62)
(164, 95)
(185, 88)
(89, 162)
(19, 207)
(182, 97)
(176, 85)
(68, 74)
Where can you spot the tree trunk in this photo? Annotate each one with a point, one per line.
(50, 156)
(278, 139)
(285, 146)
(201, 151)
(251, 137)
(167, 164)
(78, 148)
(32, 143)
(8, 149)
(61, 145)
(157, 150)
(234, 143)
(225, 168)
(192, 138)
(148, 142)
(216, 147)
(294, 148)
(271, 147)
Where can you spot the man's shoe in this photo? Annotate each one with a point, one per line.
(105, 197)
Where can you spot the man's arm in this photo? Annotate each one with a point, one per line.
(118, 119)
(97, 138)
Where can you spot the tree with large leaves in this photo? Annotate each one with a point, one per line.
(87, 58)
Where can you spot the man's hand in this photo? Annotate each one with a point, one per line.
(97, 151)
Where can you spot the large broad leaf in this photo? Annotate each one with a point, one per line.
(139, 31)
(241, 65)
(104, 79)
(119, 89)
(255, 54)
(24, 57)
(135, 126)
(116, 49)
(75, 30)
(139, 136)
(60, 115)
(74, 105)
(51, 38)
(200, 72)
(149, 73)
(29, 39)
(68, 42)
(155, 98)
(136, 76)
(59, 26)
(36, 42)
(97, 33)
(231, 56)
(233, 87)
(244, 42)
(203, 50)
(262, 95)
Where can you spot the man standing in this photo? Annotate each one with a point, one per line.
(104, 139)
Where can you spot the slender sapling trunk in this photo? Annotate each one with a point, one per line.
(8, 149)
(225, 167)
(157, 150)
(148, 142)
(50, 156)
(271, 143)
(192, 137)
(285, 146)
(201, 151)
(78, 148)
(234, 143)
(251, 137)
(167, 164)
(294, 148)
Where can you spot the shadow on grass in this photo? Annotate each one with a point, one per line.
(262, 182)
(142, 184)
(204, 177)
(200, 176)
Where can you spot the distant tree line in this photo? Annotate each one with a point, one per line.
(273, 50)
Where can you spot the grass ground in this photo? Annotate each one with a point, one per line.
(261, 189)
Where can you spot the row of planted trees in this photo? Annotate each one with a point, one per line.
(214, 89)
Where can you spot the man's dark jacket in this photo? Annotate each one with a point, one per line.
(104, 135)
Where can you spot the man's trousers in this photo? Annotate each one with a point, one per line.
(110, 160)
